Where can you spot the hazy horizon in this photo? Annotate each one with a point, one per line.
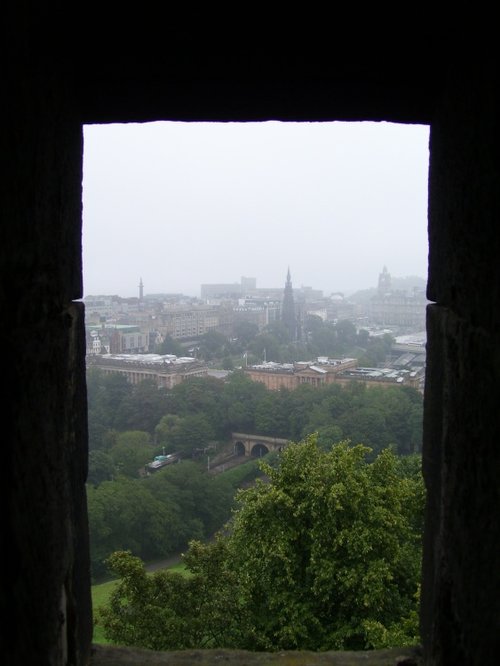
(347, 293)
(179, 205)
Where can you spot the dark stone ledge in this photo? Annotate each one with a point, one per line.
(103, 655)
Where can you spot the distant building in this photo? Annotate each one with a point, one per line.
(98, 308)
(397, 308)
(325, 371)
(316, 310)
(97, 342)
(308, 294)
(383, 377)
(414, 344)
(409, 353)
(384, 283)
(210, 292)
(258, 310)
(108, 307)
(319, 372)
(190, 322)
(248, 284)
(231, 291)
(165, 370)
(339, 307)
(116, 339)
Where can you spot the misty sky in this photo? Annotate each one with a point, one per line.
(181, 204)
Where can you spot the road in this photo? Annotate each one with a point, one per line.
(164, 564)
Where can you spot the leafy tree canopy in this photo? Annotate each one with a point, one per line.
(157, 516)
(132, 450)
(212, 344)
(245, 332)
(185, 434)
(171, 346)
(323, 555)
(101, 467)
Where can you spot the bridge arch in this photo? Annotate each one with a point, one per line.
(239, 448)
(258, 450)
(256, 445)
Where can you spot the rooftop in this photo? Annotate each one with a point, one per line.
(418, 339)
(321, 364)
(379, 374)
(149, 359)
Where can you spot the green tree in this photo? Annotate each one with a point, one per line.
(312, 323)
(336, 553)
(271, 414)
(125, 515)
(115, 389)
(377, 349)
(323, 340)
(105, 394)
(239, 399)
(346, 333)
(245, 332)
(171, 346)
(164, 431)
(184, 434)
(169, 611)
(133, 449)
(101, 467)
(363, 338)
(302, 400)
(142, 408)
(279, 331)
(328, 434)
(266, 346)
(366, 424)
(212, 345)
(156, 516)
(325, 554)
(199, 395)
(203, 501)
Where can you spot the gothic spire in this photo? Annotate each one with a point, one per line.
(288, 315)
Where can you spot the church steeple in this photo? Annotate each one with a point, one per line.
(288, 315)
(141, 290)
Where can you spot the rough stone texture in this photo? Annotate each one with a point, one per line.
(464, 194)
(109, 656)
(45, 600)
(461, 591)
(62, 70)
(460, 598)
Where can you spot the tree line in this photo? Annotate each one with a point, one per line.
(317, 338)
(156, 516)
(128, 424)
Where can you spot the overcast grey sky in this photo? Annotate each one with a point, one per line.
(181, 204)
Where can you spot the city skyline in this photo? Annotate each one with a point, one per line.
(142, 292)
(182, 204)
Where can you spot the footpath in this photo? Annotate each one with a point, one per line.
(164, 564)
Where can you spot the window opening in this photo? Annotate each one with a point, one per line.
(212, 249)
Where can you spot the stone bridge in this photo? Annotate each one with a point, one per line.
(256, 445)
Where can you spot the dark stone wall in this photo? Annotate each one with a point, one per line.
(461, 591)
(56, 78)
(45, 598)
